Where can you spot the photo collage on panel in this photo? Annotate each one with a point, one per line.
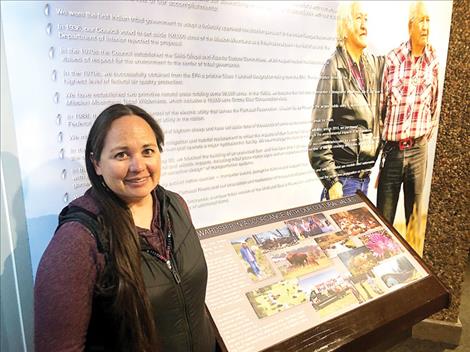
(327, 261)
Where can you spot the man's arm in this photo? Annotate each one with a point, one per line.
(435, 90)
(385, 91)
(319, 149)
(434, 98)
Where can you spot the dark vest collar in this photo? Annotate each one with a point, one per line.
(173, 210)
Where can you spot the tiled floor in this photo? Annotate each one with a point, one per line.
(414, 345)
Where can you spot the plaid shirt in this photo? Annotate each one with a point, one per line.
(409, 93)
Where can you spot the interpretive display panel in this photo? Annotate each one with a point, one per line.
(235, 85)
(274, 276)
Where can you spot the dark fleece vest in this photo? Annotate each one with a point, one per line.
(177, 297)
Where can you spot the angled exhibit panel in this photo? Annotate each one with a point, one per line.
(327, 276)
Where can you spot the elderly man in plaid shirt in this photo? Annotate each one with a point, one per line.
(408, 106)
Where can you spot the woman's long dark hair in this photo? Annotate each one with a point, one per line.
(131, 308)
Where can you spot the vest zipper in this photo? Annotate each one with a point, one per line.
(169, 250)
(188, 327)
(169, 263)
(172, 267)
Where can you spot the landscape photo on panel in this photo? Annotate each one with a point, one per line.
(275, 239)
(276, 298)
(337, 242)
(330, 291)
(300, 261)
(355, 221)
(396, 271)
(360, 262)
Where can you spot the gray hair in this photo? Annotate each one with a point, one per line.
(344, 20)
(415, 6)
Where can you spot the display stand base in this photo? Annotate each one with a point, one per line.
(391, 341)
(438, 331)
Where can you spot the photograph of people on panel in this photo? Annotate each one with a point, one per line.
(408, 107)
(124, 270)
(345, 134)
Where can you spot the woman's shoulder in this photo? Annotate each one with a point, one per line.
(175, 199)
(87, 201)
(64, 286)
(73, 244)
(178, 198)
(70, 263)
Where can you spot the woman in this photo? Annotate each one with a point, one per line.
(139, 285)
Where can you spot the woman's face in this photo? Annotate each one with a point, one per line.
(130, 160)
